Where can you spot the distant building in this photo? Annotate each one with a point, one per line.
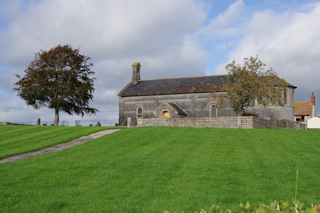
(313, 123)
(304, 110)
(187, 97)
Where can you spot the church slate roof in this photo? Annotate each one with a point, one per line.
(169, 86)
(179, 109)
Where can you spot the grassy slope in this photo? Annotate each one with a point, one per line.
(178, 169)
(21, 139)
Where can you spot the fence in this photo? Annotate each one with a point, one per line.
(108, 122)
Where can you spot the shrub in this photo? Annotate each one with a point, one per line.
(274, 207)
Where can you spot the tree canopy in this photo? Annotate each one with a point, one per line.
(249, 82)
(59, 79)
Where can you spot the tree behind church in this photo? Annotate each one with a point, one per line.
(249, 82)
(58, 79)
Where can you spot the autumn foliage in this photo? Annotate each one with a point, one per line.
(250, 82)
(59, 79)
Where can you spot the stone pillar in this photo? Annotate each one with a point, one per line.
(38, 122)
(128, 122)
(239, 121)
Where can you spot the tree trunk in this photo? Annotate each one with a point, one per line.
(56, 117)
(239, 120)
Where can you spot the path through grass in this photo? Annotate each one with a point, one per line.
(22, 139)
(179, 169)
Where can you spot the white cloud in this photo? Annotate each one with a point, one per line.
(102, 28)
(288, 42)
(225, 19)
(230, 15)
(158, 34)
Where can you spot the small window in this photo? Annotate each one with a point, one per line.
(285, 98)
(139, 112)
(213, 111)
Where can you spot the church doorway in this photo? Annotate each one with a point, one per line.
(166, 114)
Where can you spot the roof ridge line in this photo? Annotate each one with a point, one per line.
(184, 77)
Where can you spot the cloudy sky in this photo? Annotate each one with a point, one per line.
(170, 38)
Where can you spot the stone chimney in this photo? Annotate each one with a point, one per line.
(313, 103)
(136, 72)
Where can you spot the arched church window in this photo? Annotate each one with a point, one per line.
(139, 112)
(213, 111)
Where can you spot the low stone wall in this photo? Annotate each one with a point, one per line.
(276, 124)
(247, 122)
(10, 124)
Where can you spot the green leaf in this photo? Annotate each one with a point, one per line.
(284, 205)
(248, 206)
(310, 210)
(260, 210)
(274, 204)
(301, 206)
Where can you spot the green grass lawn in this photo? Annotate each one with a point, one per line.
(152, 169)
(21, 139)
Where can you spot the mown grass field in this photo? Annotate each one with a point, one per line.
(152, 169)
(22, 139)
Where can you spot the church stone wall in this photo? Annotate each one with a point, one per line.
(197, 105)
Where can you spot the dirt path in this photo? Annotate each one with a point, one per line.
(58, 147)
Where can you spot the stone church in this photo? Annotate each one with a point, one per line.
(186, 97)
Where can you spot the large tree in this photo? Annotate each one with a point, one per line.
(59, 79)
(249, 82)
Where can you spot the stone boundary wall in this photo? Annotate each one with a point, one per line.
(276, 124)
(11, 124)
(247, 122)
